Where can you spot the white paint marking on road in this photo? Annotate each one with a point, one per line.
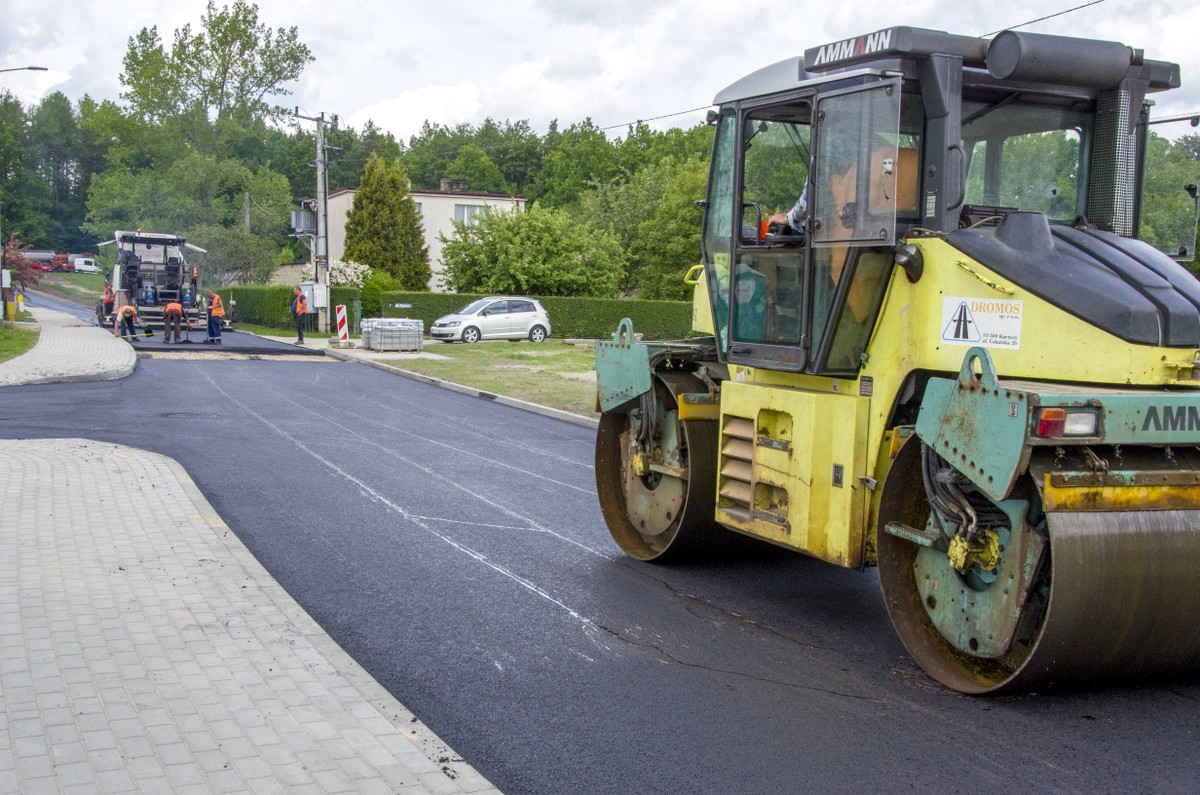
(531, 524)
(459, 420)
(399, 509)
(342, 410)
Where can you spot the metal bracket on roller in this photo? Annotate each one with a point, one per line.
(623, 372)
(978, 425)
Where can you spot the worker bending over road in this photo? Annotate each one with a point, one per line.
(173, 318)
(123, 326)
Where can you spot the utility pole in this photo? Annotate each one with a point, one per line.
(321, 242)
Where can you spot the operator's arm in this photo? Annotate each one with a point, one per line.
(793, 218)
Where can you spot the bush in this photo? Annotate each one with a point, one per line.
(586, 318)
(373, 289)
(263, 305)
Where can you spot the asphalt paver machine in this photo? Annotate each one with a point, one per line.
(151, 271)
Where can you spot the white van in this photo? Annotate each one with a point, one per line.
(86, 265)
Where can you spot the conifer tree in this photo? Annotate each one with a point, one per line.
(383, 229)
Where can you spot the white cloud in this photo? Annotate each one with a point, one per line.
(449, 105)
(400, 63)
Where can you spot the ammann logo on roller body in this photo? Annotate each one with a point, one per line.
(1172, 418)
(852, 48)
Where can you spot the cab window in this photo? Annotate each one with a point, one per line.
(717, 240)
(768, 276)
(866, 172)
(1025, 156)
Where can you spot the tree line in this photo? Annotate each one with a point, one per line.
(201, 145)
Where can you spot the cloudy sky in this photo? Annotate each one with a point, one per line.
(399, 62)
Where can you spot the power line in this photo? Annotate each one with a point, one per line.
(656, 118)
(1042, 19)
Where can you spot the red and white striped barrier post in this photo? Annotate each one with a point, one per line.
(342, 329)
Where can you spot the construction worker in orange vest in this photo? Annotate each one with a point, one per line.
(173, 317)
(216, 311)
(109, 298)
(299, 310)
(123, 326)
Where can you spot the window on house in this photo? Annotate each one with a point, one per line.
(467, 212)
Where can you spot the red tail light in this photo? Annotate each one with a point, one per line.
(1051, 422)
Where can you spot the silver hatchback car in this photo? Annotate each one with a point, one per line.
(499, 317)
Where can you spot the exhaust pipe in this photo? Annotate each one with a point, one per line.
(1038, 57)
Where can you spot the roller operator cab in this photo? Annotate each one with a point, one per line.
(952, 358)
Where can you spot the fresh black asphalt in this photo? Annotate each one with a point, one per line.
(455, 548)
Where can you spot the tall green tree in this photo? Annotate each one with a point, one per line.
(215, 80)
(619, 207)
(383, 229)
(642, 146)
(24, 197)
(431, 151)
(191, 154)
(574, 159)
(480, 172)
(350, 150)
(54, 144)
(515, 149)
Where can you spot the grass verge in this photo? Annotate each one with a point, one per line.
(15, 341)
(85, 287)
(552, 373)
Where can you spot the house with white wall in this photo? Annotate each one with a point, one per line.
(438, 210)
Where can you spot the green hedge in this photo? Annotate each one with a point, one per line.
(587, 318)
(271, 305)
(262, 305)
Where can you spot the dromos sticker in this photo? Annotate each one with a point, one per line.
(982, 321)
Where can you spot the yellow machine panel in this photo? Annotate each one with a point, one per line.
(791, 469)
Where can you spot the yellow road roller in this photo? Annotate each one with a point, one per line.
(930, 339)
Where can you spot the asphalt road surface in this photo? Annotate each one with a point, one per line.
(454, 547)
(232, 341)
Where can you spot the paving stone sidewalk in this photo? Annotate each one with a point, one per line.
(144, 649)
(69, 350)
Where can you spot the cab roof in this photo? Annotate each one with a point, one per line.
(1029, 57)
